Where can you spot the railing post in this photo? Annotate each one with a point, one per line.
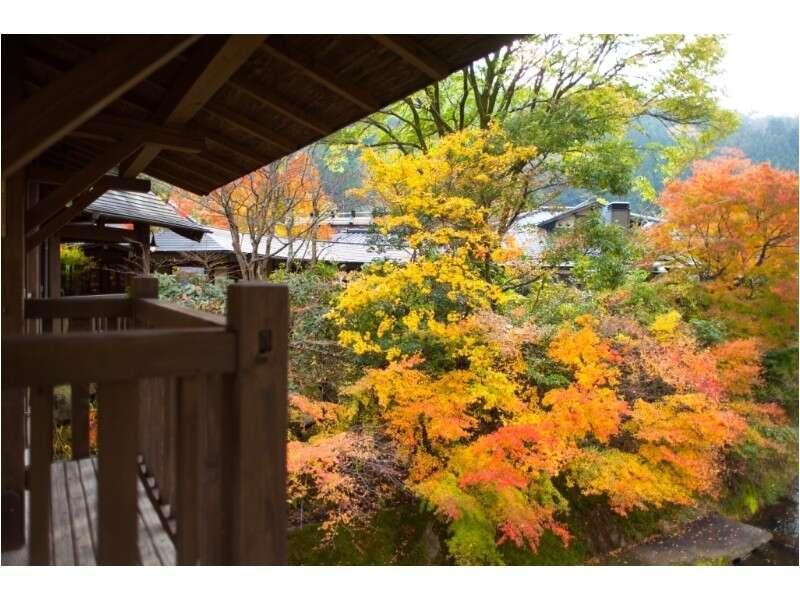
(142, 287)
(118, 416)
(41, 458)
(258, 313)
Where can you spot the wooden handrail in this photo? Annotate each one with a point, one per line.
(205, 397)
(158, 313)
(78, 307)
(117, 355)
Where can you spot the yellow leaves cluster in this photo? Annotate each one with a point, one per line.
(373, 311)
(426, 415)
(447, 198)
(664, 326)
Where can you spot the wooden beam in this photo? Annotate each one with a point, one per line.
(79, 183)
(282, 106)
(84, 232)
(60, 177)
(415, 55)
(117, 355)
(202, 177)
(190, 186)
(325, 77)
(242, 150)
(216, 59)
(76, 308)
(254, 128)
(50, 114)
(112, 128)
(160, 313)
(64, 216)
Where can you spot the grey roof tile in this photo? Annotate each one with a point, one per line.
(143, 208)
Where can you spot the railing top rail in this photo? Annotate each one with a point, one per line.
(160, 313)
(118, 355)
(78, 307)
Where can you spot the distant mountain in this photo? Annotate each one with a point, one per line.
(762, 139)
(767, 139)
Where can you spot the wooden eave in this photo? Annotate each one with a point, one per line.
(285, 92)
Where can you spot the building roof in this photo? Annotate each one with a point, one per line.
(351, 248)
(284, 93)
(115, 206)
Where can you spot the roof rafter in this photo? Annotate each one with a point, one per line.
(60, 177)
(65, 216)
(72, 99)
(253, 127)
(217, 58)
(164, 137)
(79, 182)
(282, 105)
(94, 233)
(415, 55)
(325, 77)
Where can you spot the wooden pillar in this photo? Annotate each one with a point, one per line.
(258, 313)
(13, 400)
(14, 201)
(142, 231)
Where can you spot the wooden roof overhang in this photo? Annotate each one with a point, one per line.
(196, 111)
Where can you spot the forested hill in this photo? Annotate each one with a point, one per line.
(762, 139)
(769, 139)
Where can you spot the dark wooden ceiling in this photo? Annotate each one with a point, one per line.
(290, 91)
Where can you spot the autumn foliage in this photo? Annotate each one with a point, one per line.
(637, 413)
(732, 227)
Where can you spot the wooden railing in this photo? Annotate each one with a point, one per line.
(194, 402)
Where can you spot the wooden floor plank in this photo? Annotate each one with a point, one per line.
(73, 535)
(89, 489)
(62, 534)
(81, 528)
(147, 549)
(160, 540)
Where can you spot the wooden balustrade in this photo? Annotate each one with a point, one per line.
(194, 401)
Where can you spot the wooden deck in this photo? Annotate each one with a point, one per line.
(73, 533)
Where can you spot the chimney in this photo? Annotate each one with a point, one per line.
(619, 213)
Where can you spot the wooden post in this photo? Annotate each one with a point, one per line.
(12, 420)
(143, 287)
(13, 400)
(79, 420)
(79, 402)
(142, 231)
(118, 414)
(53, 282)
(258, 313)
(41, 458)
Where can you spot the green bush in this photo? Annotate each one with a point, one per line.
(196, 291)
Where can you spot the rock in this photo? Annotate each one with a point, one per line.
(709, 539)
(431, 545)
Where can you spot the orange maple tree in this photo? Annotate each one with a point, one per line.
(279, 207)
(732, 227)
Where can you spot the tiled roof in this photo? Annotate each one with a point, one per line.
(345, 247)
(142, 208)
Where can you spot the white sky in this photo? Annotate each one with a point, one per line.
(760, 74)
